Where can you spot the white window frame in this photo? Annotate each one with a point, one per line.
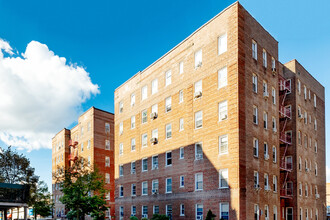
(144, 186)
(197, 181)
(181, 181)
(198, 58)
(168, 78)
(264, 58)
(181, 67)
(182, 210)
(254, 50)
(132, 100)
(166, 159)
(222, 44)
(168, 104)
(166, 185)
(222, 77)
(221, 206)
(256, 146)
(133, 122)
(133, 144)
(181, 124)
(255, 83)
(144, 92)
(181, 96)
(168, 131)
(223, 175)
(144, 140)
(142, 164)
(154, 86)
(274, 183)
(255, 114)
(198, 119)
(198, 156)
(181, 153)
(225, 137)
(223, 110)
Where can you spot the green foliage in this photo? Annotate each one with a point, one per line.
(160, 217)
(144, 218)
(133, 218)
(210, 215)
(83, 190)
(41, 200)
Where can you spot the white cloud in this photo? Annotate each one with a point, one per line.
(39, 95)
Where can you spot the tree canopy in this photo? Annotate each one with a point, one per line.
(41, 200)
(83, 190)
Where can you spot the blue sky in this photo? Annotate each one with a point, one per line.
(113, 40)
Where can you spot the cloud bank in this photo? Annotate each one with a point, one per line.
(40, 93)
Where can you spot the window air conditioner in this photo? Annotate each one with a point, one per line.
(153, 115)
(198, 94)
(153, 140)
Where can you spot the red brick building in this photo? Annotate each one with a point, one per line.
(94, 137)
(214, 124)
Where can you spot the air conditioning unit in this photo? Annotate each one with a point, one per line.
(121, 110)
(266, 95)
(155, 191)
(153, 140)
(144, 216)
(274, 70)
(132, 171)
(168, 108)
(199, 156)
(257, 186)
(199, 64)
(199, 217)
(224, 117)
(198, 94)
(266, 156)
(317, 196)
(153, 115)
(307, 169)
(300, 116)
(275, 130)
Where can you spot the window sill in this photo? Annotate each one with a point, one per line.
(223, 187)
(168, 165)
(198, 128)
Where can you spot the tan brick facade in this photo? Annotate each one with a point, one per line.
(236, 123)
(95, 143)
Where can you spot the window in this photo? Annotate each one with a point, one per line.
(315, 147)
(222, 44)
(223, 178)
(89, 145)
(256, 212)
(274, 154)
(133, 167)
(155, 162)
(89, 160)
(107, 161)
(180, 96)
(181, 181)
(121, 107)
(264, 58)
(144, 164)
(181, 67)
(168, 185)
(275, 212)
(169, 211)
(145, 211)
(156, 209)
(299, 137)
(121, 149)
(315, 169)
(274, 124)
(121, 212)
(107, 197)
(305, 118)
(168, 131)
(224, 210)
(223, 111)
(121, 191)
(154, 134)
(181, 209)
(89, 126)
(82, 130)
(144, 92)
(132, 99)
(107, 178)
(255, 115)
(266, 181)
(273, 63)
(265, 120)
(255, 147)
(255, 83)
(155, 186)
(133, 144)
(133, 189)
(273, 95)
(315, 124)
(121, 128)
(299, 86)
(82, 147)
(223, 144)
(198, 58)
(265, 89)
(309, 94)
(144, 115)
(300, 189)
(133, 122)
(305, 92)
(199, 211)
(314, 100)
(266, 155)
(256, 179)
(222, 77)
(306, 190)
(144, 140)
(198, 181)
(107, 127)
(145, 188)
(181, 124)
(254, 50)
(107, 144)
(154, 108)
(121, 170)
(154, 86)
(198, 151)
(168, 104)
(198, 86)
(299, 166)
(133, 210)
(181, 153)
(168, 158)
(198, 119)
(266, 212)
(275, 183)
(168, 77)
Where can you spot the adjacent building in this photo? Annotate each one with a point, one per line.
(218, 123)
(93, 139)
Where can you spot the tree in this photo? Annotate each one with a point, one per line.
(41, 200)
(210, 215)
(83, 190)
(133, 218)
(160, 217)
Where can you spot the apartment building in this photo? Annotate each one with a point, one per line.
(93, 139)
(214, 125)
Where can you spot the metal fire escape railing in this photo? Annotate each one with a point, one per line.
(285, 137)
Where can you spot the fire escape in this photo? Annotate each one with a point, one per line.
(286, 191)
(73, 156)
